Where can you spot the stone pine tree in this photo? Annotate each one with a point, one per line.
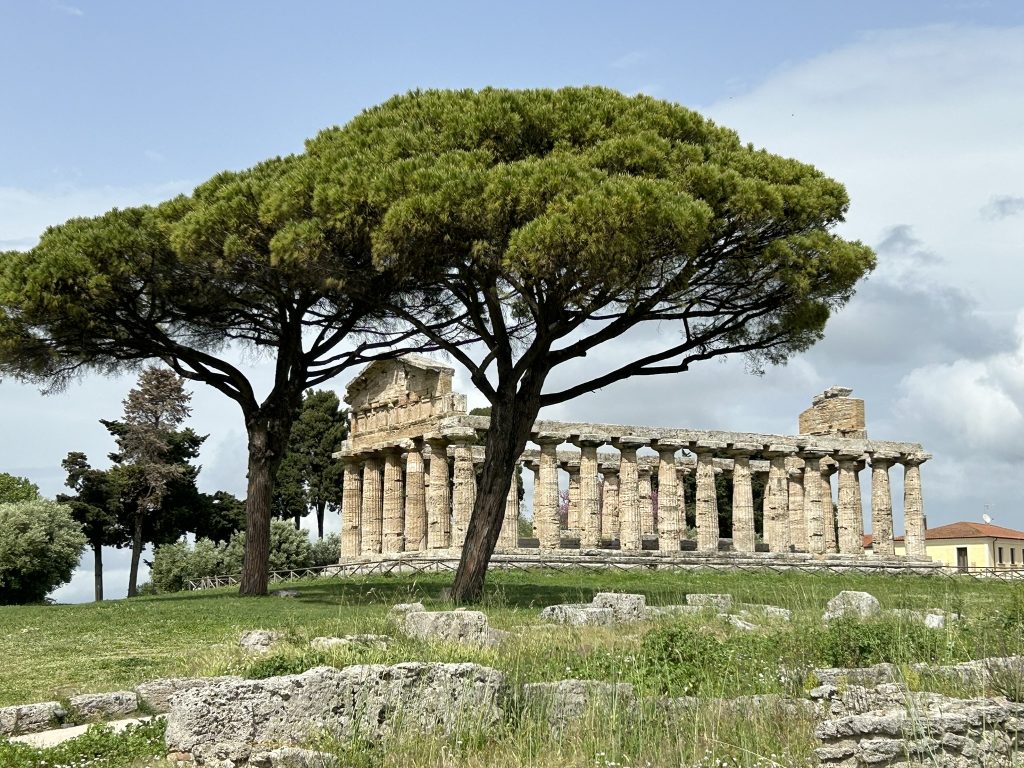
(550, 222)
(95, 506)
(309, 478)
(153, 454)
(240, 265)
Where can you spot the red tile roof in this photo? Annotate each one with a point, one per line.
(963, 530)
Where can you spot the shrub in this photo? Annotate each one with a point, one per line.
(848, 642)
(289, 548)
(40, 545)
(326, 551)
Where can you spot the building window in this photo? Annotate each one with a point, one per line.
(1000, 555)
(1013, 556)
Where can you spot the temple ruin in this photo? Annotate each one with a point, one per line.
(413, 454)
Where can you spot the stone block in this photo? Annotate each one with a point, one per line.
(30, 718)
(379, 642)
(403, 608)
(105, 706)
(293, 757)
(233, 720)
(718, 602)
(624, 606)
(259, 640)
(583, 614)
(157, 695)
(463, 627)
(861, 605)
(567, 700)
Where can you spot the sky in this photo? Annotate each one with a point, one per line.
(914, 106)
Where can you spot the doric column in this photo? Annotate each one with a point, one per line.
(589, 518)
(351, 505)
(610, 502)
(795, 486)
(373, 510)
(776, 499)
(828, 510)
(645, 499)
(415, 499)
(851, 511)
(534, 466)
(812, 501)
(669, 525)
(393, 539)
(707, 498)
(881, 505)
(743, 500)
(572, 519)
(629, 504)
(508, 538)
(464, 485)
(913, 505)
(439, 500)
(545, 505)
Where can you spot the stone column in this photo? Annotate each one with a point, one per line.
(351, 506)
(545, 504)
(681, 473)
(707, 499)
(645, 499)
(629, 504)
(913, 506)
(610, 502)
(881, 505)
(743, 500)
(439, 502)
(534, 467)
(464, 486)
(589, 518)
(776, 499)
(669, 527)
(812, 501)
(572, 519)
(828, 511)
(415, 499)
(851, 511)
(795, 486)
(393, 539)
(508, 538)
(373, 510)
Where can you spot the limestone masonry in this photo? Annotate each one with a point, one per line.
(412, 460)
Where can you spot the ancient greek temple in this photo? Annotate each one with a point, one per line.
(413, 457)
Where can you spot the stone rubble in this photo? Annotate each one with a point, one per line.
(463, 627)
(285, 593)
(579, 614)
(721, 603)
(567, 700)
(157, 695)
(259, 640)
(30, 718)
(849, 604)
(102, 706)
(292, 757)
(378, 642)
(401, 609)
(624, 606)
(224, 725)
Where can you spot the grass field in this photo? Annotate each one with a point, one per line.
(53, 652)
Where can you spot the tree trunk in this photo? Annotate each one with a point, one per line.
(512, 419)
(97, 570)
(298, 522)
(137, 544)
(320, 507)
(269, 430)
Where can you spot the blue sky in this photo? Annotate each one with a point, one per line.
(915, 106)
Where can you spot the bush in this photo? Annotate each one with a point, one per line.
(848, 642)
(326, 551)
(40, 545)
(174, 565)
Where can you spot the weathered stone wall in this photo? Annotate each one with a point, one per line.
(835, 413)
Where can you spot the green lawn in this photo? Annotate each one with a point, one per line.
(52, 652)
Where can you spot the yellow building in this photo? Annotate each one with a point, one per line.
(971, 545)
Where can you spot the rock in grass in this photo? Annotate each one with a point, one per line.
(157, 695)
(285, 593)
(259, 640)
(233, 720)
(624, 606)
(401, 609)
(568, 700)
(463, 627)
(721, 603)
(105, 706)
(292, 757)
(582, 614)
(380, 642)
(30, 718)
(859, 605)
